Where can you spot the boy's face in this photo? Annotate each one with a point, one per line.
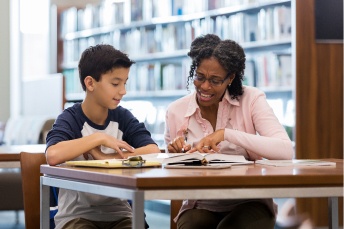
(110, 89)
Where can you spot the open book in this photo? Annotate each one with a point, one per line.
(214, 160)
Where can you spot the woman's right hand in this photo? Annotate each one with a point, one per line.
(178, 145)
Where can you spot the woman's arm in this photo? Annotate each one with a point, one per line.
(261, 146)
(256, 129)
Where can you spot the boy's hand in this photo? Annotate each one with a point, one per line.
(121, 147)
(97, 154)
(94, 154)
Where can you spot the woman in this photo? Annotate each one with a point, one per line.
(223, 116)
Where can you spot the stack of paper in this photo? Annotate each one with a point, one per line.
(295, 162)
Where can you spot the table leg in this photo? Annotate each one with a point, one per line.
(138, 210)
(333, 212)
(44, 201)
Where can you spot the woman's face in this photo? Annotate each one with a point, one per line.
(210, 80)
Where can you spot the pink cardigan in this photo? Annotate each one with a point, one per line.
(251, 127)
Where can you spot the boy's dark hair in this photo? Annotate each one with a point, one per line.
(100, 59)
(230, 55)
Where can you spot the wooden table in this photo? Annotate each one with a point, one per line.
(246, 181)
(12, 152)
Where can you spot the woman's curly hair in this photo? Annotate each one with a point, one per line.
(230, 55)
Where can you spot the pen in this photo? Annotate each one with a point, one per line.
(185, 134)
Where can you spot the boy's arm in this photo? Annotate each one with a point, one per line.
(98, 155)
(68, 150)
(151, 148)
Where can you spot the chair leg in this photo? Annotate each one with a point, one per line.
(17, 217)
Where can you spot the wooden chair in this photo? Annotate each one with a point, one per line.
(30, 171)
(11, 194)
(175, 206)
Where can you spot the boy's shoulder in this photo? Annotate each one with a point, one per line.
(72, 113)
(73, 110)
(119, 110)
(120, 114)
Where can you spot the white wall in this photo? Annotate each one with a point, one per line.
(22, 55)
(4, 60)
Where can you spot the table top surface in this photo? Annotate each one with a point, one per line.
(12, 152)
(250, 176)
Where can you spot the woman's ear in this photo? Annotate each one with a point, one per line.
(89, 83)
(231, 77)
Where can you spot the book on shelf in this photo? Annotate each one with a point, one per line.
(200, 159)
(296, 162)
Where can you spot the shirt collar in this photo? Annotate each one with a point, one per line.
(193, 106)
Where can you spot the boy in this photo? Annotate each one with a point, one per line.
(97, 128)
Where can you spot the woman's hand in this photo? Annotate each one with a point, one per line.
(178, 145)
(209, 143)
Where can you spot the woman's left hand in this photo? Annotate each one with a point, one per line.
(209, 143)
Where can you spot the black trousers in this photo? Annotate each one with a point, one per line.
(250, 215)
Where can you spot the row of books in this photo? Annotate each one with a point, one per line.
(124, 12)
(158, 77)
(270, 24)
(110, 12)
(272, 70)
(262, 70)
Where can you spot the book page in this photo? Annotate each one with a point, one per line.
(208, 166)
(225, 157)
(193, 158)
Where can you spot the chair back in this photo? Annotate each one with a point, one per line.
(30, 171)
(175, 206)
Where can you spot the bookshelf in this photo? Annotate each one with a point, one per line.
(157, 34)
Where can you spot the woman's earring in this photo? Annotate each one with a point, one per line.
(229, 85)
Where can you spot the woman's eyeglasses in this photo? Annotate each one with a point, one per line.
(213, 81)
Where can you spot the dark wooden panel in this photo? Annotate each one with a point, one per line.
(319, 101)
(319, 91)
